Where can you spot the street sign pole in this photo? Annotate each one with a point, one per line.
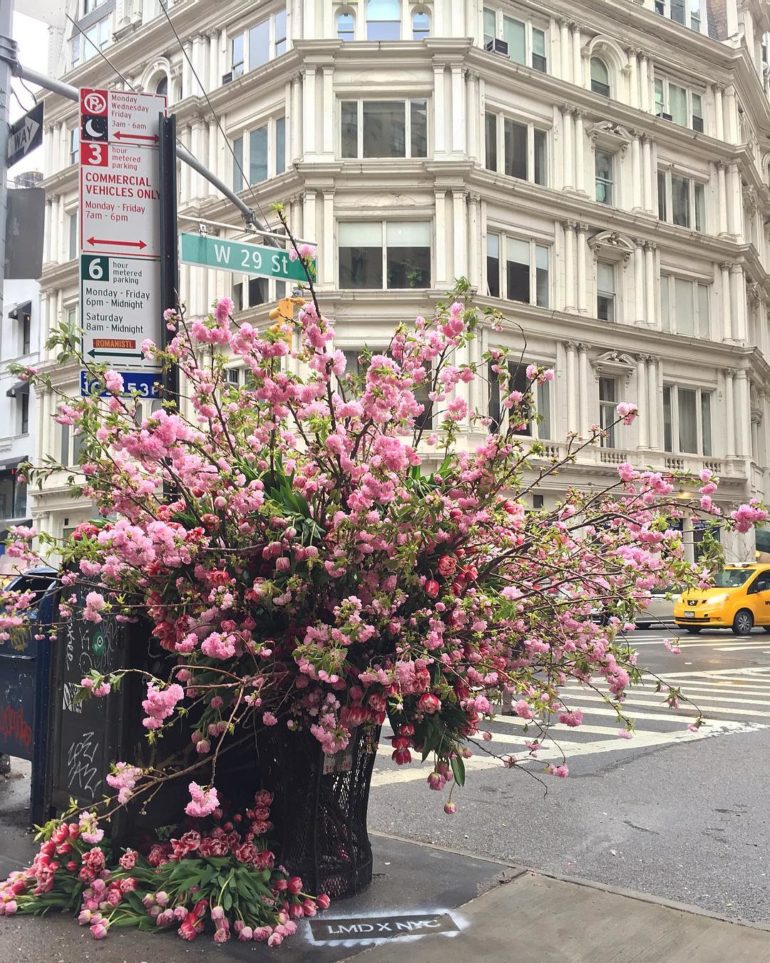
(6, 26)
(169, 261)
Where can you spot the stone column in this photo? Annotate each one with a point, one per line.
(572, 386)
(308, 18)
(213, 155)
(738, 303)
(583, 374)
(636, 175)
(460, 234)
(743, 411)
(308, 214)
(187, 77)
(186, 170)
(568, 154)
(564, 50)
(473, 114)
(732, 132)
(729, 415)
(648, 193)
(642, 402)
(653, 400)
(569, 266)
(577, 60)
(296, 119)
(582, 304)
(688, 538)
(719, 112)
(458, 109)
(474, 245)
(734, 202)
(722, 196)
(439, 109)
(727, 316)
(442, 279)
(640, 309)
(215, 75)
(309, 113)
(326, 252)
(644, 84)
(579, 152)
(328, 109)
(650, 287)
(633, 77)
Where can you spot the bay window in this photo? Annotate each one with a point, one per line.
(527, 43)
(384, 128)
(681, 200)
(516, 149)
(392, 255)
(538, 422)
(685, 307)
(526, 269)
(686, 420)
(678, 104)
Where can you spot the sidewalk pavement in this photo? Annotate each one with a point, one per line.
(425, 905)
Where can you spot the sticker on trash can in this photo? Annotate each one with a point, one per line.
(341, 761)
(369, 929)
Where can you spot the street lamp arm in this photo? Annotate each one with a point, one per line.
(73, 93)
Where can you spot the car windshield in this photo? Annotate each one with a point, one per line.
(732, 577)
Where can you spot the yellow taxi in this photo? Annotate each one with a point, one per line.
(739, 599)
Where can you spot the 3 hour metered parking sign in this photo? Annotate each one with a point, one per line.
(120, 292)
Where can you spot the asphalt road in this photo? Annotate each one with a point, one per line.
(678, 814)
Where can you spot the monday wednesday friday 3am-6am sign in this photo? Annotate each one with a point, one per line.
(119, 225)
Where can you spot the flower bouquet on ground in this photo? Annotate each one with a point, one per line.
(217, 873)
(324, 544)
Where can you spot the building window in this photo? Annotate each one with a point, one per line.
(72, 235)
(600, 77)
(24, 406)
(681, 201)
(604, 163)
(250, 294)
(376, 255)
(537, 423)
(678, 104)
(87, 44)
(605, 291)
(525, 277)
(685, 306)
(74, 145)
(161, 88)
(526, 42)
(384, 128)
(608, 394)
(261, 152)
(524, 150)
(686, 12)
(237, 58)
(686, 420)
(420, 25)
(262, 42)
(346, 26)
(383, 19)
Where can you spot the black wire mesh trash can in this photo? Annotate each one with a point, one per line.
(320, 806)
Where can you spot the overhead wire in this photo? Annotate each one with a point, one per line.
(214, 114)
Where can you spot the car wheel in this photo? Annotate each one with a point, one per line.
(693, 629)
(766, 628)
(743, 622)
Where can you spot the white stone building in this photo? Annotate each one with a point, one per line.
(598, 170)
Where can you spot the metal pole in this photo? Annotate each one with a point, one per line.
(169, 261)
(7, 44)
(72, 93)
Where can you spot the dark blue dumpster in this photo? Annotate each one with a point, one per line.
(25, 683)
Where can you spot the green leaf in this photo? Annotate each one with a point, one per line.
(458, 770)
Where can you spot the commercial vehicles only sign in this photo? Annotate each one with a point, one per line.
(119, 225)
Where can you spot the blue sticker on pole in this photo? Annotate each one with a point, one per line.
(145, 384)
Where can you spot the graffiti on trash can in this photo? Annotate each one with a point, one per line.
(82, 773)
(13, 725)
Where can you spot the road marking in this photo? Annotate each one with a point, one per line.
(642, 740)
(631, 705)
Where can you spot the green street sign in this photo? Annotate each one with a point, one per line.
(240, 258)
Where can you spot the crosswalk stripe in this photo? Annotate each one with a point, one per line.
(384, 777)
(688, 691)
(632, 705)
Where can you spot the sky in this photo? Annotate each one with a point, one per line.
(32, 38)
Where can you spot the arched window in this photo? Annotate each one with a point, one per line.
(383, 19)
(600, 77)
(420, 24)
(162, 86)
(346, 26)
